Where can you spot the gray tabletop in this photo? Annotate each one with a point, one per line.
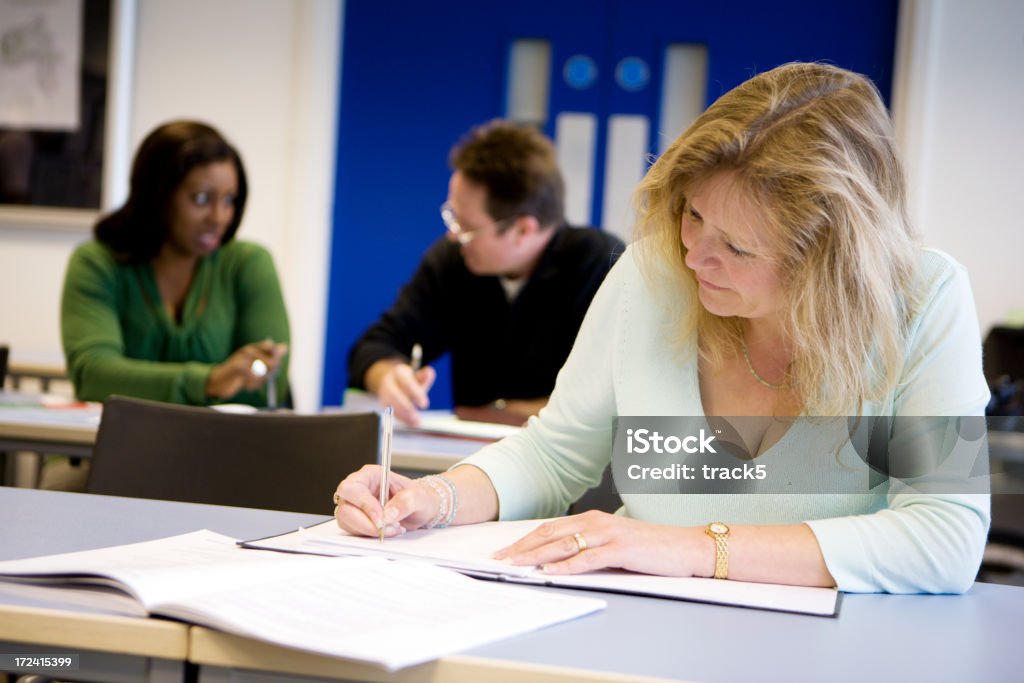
(974, 637)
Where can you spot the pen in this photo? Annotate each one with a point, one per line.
(272, 386)
(417, 357)
(385, 464)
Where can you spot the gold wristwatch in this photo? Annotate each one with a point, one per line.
(719, 533)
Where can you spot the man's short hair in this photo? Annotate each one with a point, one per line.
(518, 168)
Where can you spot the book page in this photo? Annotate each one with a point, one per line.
(93, 599)
(374, 610)
(164, 570)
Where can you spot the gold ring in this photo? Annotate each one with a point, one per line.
(581, 542)
(337, 498)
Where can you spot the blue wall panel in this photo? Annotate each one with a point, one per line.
(417, 75)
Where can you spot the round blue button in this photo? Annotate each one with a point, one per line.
(579, 72)
(632, 73)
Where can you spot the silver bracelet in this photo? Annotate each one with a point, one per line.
(454, 509)
(443, 506)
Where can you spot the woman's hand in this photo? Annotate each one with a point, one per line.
(596, 540)
(242, 371)
(411, 504)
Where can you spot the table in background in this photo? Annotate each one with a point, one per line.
(45, 368)
(72, 431)
(875, 638)
(28, 427)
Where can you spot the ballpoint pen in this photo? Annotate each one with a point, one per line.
(385, 464)
(417, 357)
(272, 385)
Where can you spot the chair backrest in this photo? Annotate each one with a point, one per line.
(277, 461)
(1003, 353)
(4, 353)
(603, 497)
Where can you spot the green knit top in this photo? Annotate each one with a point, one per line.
(119, 339)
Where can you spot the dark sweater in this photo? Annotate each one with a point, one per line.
(499, 349)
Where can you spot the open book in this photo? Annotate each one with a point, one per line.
(392, 614)
(470, 549)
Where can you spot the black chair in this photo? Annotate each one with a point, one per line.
(603, 497)
(1003, 362)
(278, 461)
(1003, 353)
(4, 354)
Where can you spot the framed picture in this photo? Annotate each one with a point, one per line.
(65, 110)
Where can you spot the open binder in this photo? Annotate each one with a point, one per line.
(469, 550)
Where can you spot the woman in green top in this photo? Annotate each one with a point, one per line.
(165, 304)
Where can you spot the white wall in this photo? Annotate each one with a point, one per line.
(265, 73)
(959, 113)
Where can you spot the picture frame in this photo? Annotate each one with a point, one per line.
(116, 131)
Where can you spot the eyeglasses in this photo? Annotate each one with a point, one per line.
(462, 235)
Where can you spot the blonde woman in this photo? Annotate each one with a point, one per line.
(775, 274)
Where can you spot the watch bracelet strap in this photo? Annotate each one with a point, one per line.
(721, 556)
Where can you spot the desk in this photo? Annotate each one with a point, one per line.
(112, 649)
(875, 638)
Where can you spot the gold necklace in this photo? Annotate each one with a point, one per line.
(750, 366)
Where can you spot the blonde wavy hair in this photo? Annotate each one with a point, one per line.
(813, 146)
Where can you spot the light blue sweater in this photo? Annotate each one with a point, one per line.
(623, 363)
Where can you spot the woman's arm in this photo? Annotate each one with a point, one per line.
(535, 473)
(261, 314)
(923, 542)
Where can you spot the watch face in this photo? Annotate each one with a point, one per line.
(718, 528)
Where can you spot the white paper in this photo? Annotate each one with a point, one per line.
(98, 599)
(391, 613)
(374, 610)
(468, 547)
(40, 63)
(442, 422)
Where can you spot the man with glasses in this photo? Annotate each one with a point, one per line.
(504, 291)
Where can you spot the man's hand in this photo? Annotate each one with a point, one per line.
(395, 384)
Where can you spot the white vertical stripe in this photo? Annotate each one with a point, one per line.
(575, 137)
(914, 103)
(529, 82)
(683, 91)
(116, 143)
(625, 165)
(305, 251)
